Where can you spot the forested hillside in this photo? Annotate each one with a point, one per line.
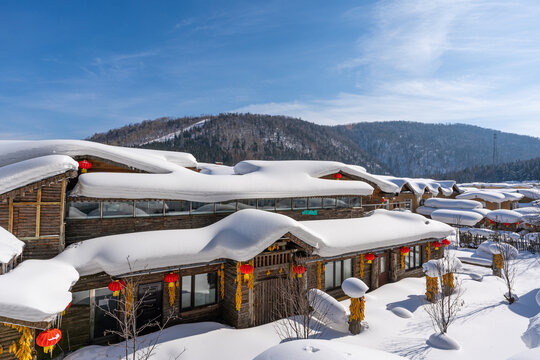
(396, 147)
(513, 171)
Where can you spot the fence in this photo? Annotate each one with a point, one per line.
(522, 244)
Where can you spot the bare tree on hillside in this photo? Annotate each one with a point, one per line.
(448, 298)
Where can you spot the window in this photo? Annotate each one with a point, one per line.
(104, 301)
(355, 202)
(283, 204)
(83, 210)
(177, 207)
(148, 208)
(342, 202)
(336, 272)
(202, 208)
(112, 209)
(329, 202)
(408, 204)
(266, 204)
(300, 204)
(226, 206)
(413, 260)
(248, 204)
(199, 290)
(315, 203)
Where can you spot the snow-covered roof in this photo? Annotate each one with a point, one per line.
(419, 186)
(10, 246)
(457, 216)
(530, 193)
(504, 216)
(240, 237)
(16, 175)
(495, 196)
(251, 179)
(442, 203)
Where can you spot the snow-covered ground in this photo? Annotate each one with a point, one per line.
(486, 328)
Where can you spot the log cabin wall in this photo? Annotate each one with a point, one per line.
(9, 336)
(35, 214)
(82, 229)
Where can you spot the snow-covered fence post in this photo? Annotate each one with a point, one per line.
(355, 289)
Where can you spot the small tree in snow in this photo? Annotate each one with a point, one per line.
(506, 263)
(447, 300)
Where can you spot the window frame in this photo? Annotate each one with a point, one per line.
(342, 272)
(415, 252)
(192, 291)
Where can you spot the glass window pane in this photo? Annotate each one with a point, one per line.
(355, 202)
(247, 204)
(205, 289)
(176, 207)
(347, 268)
(300, 203)
(329, 276)
(382, 263)
(338, 273)
(342, 202)
(83, 210)
(104, 301)
(81, 298)
(149, 208)
(329, 202)
(226, 206)
(186, 292)
(266, 204)
(417, 256)
(406, 261)
(283, 204)
(315, 203)
(202, 208)
(113, 209)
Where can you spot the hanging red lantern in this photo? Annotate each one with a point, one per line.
(171, 279)
(84, 165)
(369, 257)
(383, 200)
(247, 270)
(437, 245)
(446, 242)
(47, 339)
(338, 176)
(506, 224)
(517, 222)
(299, 270)
(404, 250)
(116, 286)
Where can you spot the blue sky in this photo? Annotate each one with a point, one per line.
(72, 68)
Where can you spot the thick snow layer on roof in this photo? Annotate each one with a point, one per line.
(437, 267)
(381, 229)
(215, 169)
(14, 176)
(490, 195)
(530, 193)
(425, 210)
(443, 203)
(528, 210)
(504, 216)
(13, 151)
(419, 186)
(36, 290)
(252, 179)
(457, 216)
(323, 350)
(10, 246)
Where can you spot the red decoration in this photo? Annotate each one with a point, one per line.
(527, 224)
(491, 221)
(404, 250)
(47, 339)
(517, 223)
(446, 242)
(337, 176)
(246, 269)
(299, 270)
(369, 257)
(171, 278)
(383, 200)
(116, 286)
(506, 224)
(84, 165)
(437, 245)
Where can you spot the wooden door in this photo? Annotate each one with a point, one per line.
(266, 299)
(152, 303)
(383, 267)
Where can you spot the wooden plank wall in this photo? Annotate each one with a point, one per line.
(9, 335)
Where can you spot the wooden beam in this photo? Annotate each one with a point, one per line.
(34, 203)
(10, 220)
(38, 212)
(44, 237)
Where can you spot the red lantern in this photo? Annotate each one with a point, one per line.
(446, 242)
(171, 278)
(506, 224)
(383, 200)
(517, 223)
(247, 270)
(47, 339)
(84, 165)
(337, 176)
(116, 286)
(369, 257)
(299, 270)
(404, 250)
(437, 245)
